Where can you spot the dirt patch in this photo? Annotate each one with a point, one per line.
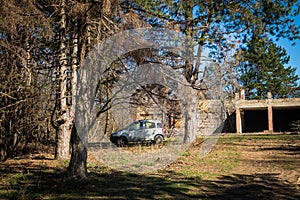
(275, 156)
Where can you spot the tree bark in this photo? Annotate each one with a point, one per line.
(77, 166)
(65, 120)
(78, 162)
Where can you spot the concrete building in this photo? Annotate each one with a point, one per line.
(266, 115)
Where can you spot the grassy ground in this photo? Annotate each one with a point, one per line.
(239, 167)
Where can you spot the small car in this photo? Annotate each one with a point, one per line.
(140, 131)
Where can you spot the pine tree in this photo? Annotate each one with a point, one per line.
(263, 70)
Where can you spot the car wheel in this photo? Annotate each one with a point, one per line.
(158, 139)
(121, 142)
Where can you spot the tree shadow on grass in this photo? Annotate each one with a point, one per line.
(98, 185)
(257, 186)
(39, 183)
(288, 149)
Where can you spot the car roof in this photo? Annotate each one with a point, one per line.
(149, 120)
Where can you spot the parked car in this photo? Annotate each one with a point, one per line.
(140, 131)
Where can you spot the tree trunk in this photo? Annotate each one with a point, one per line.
(28, 64)
(77, 166)
(190, 116)
(65, 120)
(83, 120)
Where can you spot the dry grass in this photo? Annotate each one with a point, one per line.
(239, 167)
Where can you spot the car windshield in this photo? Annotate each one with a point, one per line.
(134, 126)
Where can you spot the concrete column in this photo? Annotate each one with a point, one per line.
(243, 96)
(270, 118)
(269, 94)
(238, 120)
(270, 113)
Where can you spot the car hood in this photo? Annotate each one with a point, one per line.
(118, 133)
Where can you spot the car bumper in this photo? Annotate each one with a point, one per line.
(113, 139)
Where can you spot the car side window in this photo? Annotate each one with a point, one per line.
(150, 125)
(159, 125)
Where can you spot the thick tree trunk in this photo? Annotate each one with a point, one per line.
(77, 166)
(65, 120)
(190, 116)
(84, 84)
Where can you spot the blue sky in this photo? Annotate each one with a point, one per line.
(293, 51)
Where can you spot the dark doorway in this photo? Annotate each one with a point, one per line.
(283, 117)
(255, 120)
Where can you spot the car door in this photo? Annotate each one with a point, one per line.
(136, 131)
(131, 131)
(149, 130)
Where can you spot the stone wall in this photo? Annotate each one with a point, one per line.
(211, 116)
